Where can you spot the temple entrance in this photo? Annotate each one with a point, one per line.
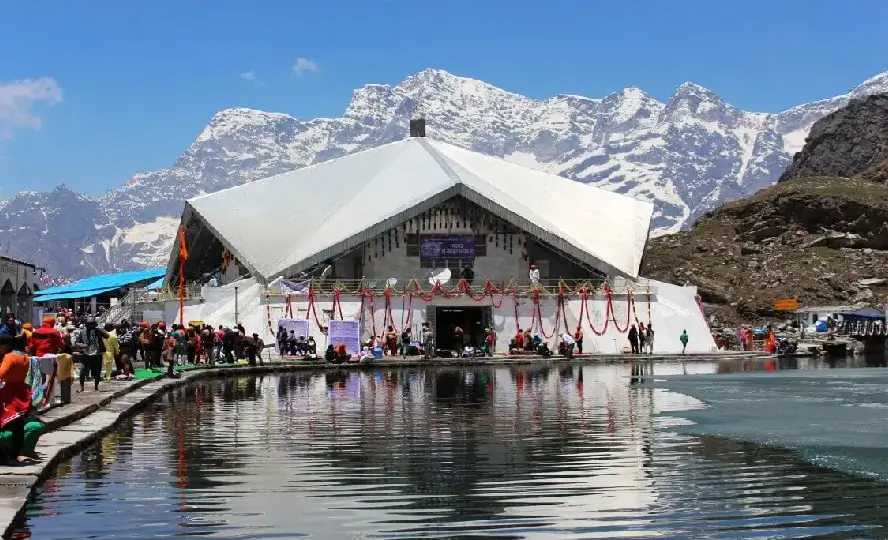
(472, 319)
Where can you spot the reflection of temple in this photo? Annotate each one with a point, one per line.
(448, 433)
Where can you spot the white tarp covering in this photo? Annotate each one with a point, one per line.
(286, 223)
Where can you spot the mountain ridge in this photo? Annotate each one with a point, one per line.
(819, 236)
(687, 156)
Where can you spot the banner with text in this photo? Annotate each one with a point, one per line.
(447, 246)
(294, 287)
(298, 326)
(347, 332)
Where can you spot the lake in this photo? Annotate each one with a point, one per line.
(548, 452)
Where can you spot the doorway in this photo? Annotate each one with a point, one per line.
(472, 319)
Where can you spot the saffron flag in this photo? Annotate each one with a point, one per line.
(183, 249)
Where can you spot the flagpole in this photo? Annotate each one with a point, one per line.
(183, 256)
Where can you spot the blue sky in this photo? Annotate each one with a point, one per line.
(128, 85)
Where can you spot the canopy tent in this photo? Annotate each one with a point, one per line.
(865, 313)
(73, 294)
(354, 198)
(94, 285)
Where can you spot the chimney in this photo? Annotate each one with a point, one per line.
(417, 126)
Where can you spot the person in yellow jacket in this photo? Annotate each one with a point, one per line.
(112, 350)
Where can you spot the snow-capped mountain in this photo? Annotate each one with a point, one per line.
(687, 155)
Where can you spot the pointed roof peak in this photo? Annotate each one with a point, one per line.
(347, 208)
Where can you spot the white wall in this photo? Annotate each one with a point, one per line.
(498, 265)
(672, 309)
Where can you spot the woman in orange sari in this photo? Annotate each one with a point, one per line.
(15, 396)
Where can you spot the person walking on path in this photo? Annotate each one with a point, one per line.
(90, 343)
(112, 350)
(633, 339)
(642, 335)
(684, 340)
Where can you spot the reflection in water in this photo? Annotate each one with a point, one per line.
(547, 452)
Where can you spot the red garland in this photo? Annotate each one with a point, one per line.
(649, 305)
(538, 315)
(584, 308)
(268, 313)
(515, 303)
(337, 305)
(313, 311)
(564, 314)
(409, 321)
(288, 310)
(387, 315)
(491, 290)
(369, 293)
(464, 286)
(610, 299)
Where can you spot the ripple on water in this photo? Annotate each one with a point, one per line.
(439, 453)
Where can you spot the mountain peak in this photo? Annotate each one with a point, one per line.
(692, 101)
(877, 84)
(234, 118)
(689, 88)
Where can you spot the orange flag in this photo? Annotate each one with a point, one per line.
(183, 249)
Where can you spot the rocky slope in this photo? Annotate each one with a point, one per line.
(818, 240)
(851, 142)
(687, 155)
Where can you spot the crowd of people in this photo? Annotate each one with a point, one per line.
(103, 352)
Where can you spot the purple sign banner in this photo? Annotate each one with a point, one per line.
(447, 246)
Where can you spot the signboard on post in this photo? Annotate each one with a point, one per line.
(447, 246)
(346, 332)
(786, 305)
(298, 326)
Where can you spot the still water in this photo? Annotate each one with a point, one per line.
(551, 452)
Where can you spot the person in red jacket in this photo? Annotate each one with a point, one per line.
(46, 339)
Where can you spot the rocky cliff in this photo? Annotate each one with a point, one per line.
(851, 142)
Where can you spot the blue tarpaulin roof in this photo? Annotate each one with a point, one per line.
(92, 286)
(155, 285)
(73, 294)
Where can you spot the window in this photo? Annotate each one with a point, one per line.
(480, 245)
(411, 245)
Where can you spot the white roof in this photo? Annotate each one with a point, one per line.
(289, 222)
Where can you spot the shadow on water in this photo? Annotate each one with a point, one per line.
(548, 452)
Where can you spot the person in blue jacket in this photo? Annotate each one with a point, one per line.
(9, 328)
